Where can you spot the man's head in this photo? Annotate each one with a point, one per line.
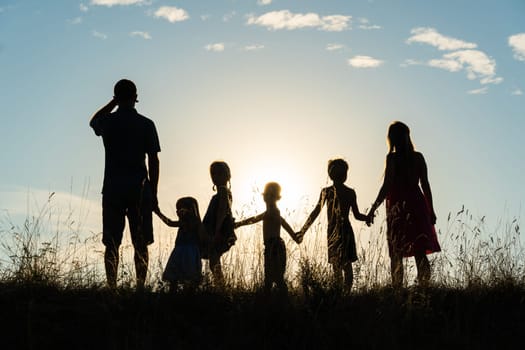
(125, 92)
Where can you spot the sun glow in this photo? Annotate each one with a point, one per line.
(248, 193)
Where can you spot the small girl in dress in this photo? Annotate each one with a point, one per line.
(184, 264)
(218, 221)
(339, 200)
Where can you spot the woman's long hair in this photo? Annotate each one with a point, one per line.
(399, 138)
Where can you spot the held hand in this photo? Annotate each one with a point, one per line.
(370, 218)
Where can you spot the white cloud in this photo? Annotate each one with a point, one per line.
(285, 19)
(99, 35)
(143, 35)
(255, 47)
(364, 62)
(205, 17)
(76, 20)
(83, 8)
(217, 47)
(480, 91)
(431, 36)
(517, 43)
(476, 64)
(264, 2)
(227, 17)
(334, 47)
(365, 24)
(517, 92)
(172, 14)
(411, 62)
(110, 3)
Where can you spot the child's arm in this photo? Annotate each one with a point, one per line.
(297, 238)
(167, 220)
(313, 215)
(355, 209)
(249, 221)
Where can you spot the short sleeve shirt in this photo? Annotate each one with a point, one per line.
(128, 137)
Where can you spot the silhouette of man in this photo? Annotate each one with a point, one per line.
(130, 188)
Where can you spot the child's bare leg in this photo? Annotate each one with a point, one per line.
(338, 274)
(216, 270)
(396, 269)
(349, 276)
(423, 269)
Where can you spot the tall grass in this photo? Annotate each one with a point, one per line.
(52, 248)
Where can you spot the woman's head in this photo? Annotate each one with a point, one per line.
(187, 208)
(338, 170)
(220, 173)
(399, 138)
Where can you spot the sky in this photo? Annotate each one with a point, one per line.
(274, 87)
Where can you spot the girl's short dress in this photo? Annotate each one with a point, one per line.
(184, 263)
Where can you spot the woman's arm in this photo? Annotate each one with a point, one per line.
(425, 186)
(385, 188)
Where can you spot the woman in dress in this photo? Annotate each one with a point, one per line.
(409, 208)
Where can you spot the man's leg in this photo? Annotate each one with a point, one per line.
(113, 221)
(141, 264)
(111, 264)
(141, 229)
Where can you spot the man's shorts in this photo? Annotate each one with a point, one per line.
(137, 205)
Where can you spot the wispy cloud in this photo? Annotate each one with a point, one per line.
(99, 35)
(516, 92)
(172, 14)
(83, 8)
(110, 3)
(264, 2)
(517, 43)
(364, 24)
(285, 19)
(431, 36)
(140, 34)
(364, 62)
(411, 62)
(255, 47)
(76, 20)
(476, 64)
(205, 17)
(217, 47)
(227, 17)
(480, 91)
(334, 47)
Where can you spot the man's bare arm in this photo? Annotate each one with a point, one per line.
(107, 109)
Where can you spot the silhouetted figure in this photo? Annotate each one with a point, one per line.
(409, 209)
(274, 248)
(339, 200)
(130, 188)
(218, 221)
(184, 264)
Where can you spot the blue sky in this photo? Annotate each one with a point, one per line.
(275, 88)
